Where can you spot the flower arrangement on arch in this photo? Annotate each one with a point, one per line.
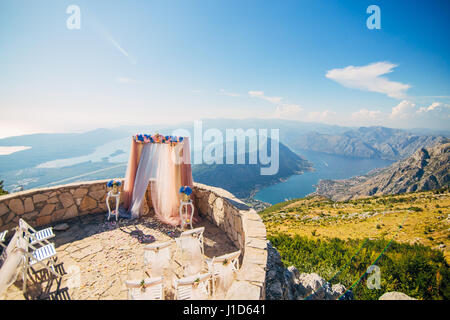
(157, 138)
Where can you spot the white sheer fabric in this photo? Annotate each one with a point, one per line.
(167, 167)
(165, 196)
(200, 292)
(225, 276)
(191, 255)
(158, 261)
(11, 265)
(146, 170)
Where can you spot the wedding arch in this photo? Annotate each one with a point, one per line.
(165, 163)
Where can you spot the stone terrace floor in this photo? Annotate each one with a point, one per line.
(103, 255)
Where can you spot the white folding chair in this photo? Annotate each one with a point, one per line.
(36, 237)
(32, 256)
(147, 289)
(157, 257)
(185, 245)
(216, 264)
(2, 238)
(195, 233)
(196, 287)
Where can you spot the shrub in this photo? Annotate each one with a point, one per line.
(2, 191)
(415, 270)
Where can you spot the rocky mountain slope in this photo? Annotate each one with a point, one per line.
(366, 142)
(427, 169)
(289, 284)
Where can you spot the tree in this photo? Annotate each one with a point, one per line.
(2, 191)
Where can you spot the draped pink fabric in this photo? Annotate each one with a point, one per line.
(186, 172)
(133, 163)
(186, 169)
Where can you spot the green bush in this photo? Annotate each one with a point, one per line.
(2, 191)
(415, 270)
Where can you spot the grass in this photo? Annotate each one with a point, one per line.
(415, 270)
(423, 217)
(318, 235)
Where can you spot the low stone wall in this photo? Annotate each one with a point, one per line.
(45, 206)
(243, 225)
(48, 205)
(246, 229)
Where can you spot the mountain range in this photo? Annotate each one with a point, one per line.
(102, 153)
(427, 169)
(366, 142)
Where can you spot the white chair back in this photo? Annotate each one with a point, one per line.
(35, 237)
(191, 248)
(147, 289)
(223, 270)
(229, 258)
(157, 257)
(195, 233)
(196, 287)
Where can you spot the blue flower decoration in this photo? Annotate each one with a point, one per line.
(113, 182)
(186, 190)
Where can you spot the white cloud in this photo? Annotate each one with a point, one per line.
(404, 110)
(260, 94)
(369, 78)
(296, 112)
(230, 94)
(407, 114)
(125, 80)
(289, 111)
(121, 50)
(436, 109)
(365, 114)
(320, 116)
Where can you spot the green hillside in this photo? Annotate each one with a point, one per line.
(406, 235)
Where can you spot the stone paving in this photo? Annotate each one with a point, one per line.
(96, 257)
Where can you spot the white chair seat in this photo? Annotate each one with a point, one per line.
(151, 293)
(184, 293)
(43, 253)
(42, 235)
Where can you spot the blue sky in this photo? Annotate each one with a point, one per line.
(147, 62)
